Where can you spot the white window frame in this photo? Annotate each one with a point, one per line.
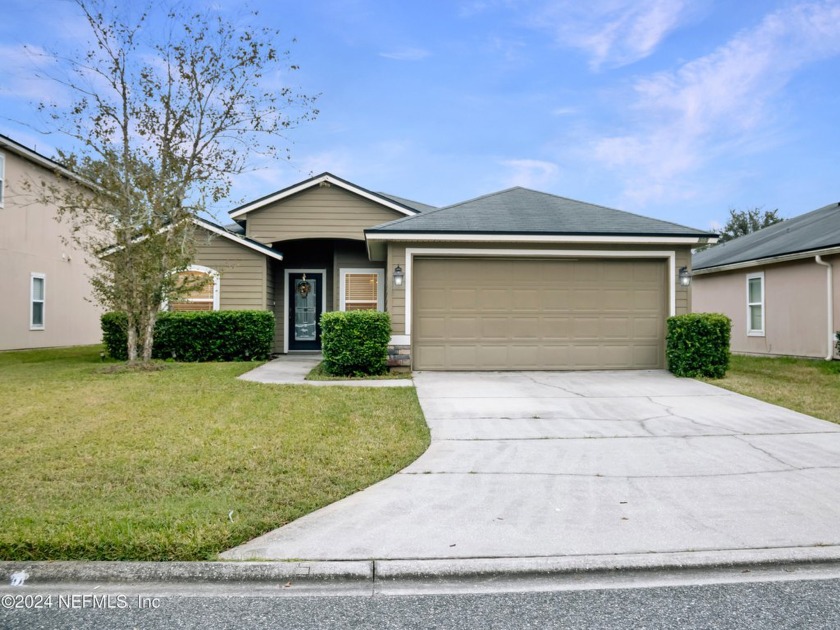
(750, 331)
(380, 285)
(217, 281)
(3, 181)
(43, 301)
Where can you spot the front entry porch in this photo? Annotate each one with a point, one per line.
(315, 276)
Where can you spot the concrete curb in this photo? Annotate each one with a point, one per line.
(576, 565)
(202, 572)
(448, 569)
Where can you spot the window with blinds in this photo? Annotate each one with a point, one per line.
(200, 299)
(361, 291)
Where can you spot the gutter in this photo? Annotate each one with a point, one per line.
(770, 260)
(830, 309)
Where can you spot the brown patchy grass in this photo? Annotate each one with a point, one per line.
(804, 385)
(181, 463)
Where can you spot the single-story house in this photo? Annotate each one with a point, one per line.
(515, 280)
(778, 285)
(43, 279)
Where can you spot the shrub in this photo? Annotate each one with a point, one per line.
(198, 336)
(698, 344)
(355, 343)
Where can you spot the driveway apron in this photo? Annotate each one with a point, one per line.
(547, 464)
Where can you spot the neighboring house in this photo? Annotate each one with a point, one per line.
(43, 281)
(778, 285)
(514, 280)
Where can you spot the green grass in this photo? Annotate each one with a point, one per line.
(318, 373)
(124, 465)
(806, 385)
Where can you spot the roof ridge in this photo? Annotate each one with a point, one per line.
(311, 181)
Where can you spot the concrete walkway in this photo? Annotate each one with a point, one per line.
(555, 468)
(291, 369)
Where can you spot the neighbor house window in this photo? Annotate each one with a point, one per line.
(205, 295)
(36, 302)
(2, 179)
(362, 289)
(755, 304)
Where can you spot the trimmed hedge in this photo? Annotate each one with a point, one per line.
(698, 344)
(355, 343)
(198, 336)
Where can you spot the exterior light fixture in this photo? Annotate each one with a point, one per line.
(685, 276)
(399, 276)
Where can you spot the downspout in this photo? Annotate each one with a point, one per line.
(830, 311)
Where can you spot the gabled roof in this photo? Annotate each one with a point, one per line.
(420, 207)
(215, 229)
(239, 239)
(324, 179)
(814, 231)
(521, 211)
(12, 146)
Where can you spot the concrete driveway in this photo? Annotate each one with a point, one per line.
(533, 465)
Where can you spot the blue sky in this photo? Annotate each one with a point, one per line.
(677, 109)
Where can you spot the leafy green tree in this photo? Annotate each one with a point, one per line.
(742, 222)
(167, 106)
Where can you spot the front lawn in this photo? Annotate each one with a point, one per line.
(181, 463)
(804, 385)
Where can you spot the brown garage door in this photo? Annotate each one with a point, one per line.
(526, 314)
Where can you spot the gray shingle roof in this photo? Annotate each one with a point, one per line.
(815, 230)
(523, 211)
(416, 205)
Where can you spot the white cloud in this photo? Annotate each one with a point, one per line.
(406, 54)
(612, 33)
(529, 173)
(23, 74)
(717, 105)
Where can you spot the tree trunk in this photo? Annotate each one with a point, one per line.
(149, 335)
(131, 334)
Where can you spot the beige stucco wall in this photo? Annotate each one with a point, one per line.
(795, 317)
(30, 241)
(243, 272)
(322, 213)
(395, 297)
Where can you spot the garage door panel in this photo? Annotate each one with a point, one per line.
(497, 314)
(646, 355)
(463, 299)
(463, 328)
(647, 329)
(431, 328)
(618, 328)
(585, 328)
(555, 328)
(495, 357)
(523, 328)
(495, 327)
(554, 300)
(528, 300)
(553, 355)
(461, 357)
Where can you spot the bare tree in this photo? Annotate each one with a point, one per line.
(166, 109)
